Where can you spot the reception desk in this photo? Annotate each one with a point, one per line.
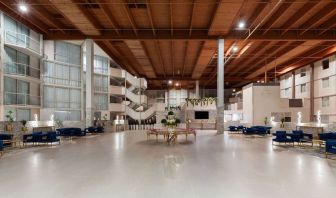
(203, 125)
(315, 130)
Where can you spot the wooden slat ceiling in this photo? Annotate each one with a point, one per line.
(176, 40)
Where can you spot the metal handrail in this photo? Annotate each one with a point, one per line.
(21, 99)
(22, 70)
(23, 40)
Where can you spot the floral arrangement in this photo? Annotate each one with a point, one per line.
(171, 121)
(201, 101)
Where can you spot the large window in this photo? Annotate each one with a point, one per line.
(101, 64)
(16, 92)
(67, 52)
(67, 115)
(101, 83)
(61, 98)
(101, 101)
(325, 64)
(325, 82)
(61, 74)
(176, 97)
(325, 101)
(16, 32)
(303, 72)
(303, 88)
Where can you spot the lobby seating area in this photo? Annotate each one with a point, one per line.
(257, 130)
(37, 138)
(70, 132)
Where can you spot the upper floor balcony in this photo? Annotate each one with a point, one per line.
(21, 99)
(22, 70)
(24, 43)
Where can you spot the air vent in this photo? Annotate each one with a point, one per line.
(137, 6)
(91, 4)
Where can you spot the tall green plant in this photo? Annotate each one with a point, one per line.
(9, 116)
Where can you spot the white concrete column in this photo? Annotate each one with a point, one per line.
(89, 111)
(197, 89)
(220, 88)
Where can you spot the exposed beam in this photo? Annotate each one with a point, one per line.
(271, 35)
(287, 56)
(276, 16)
(69, 9)
(48, 17)
(109, 15)
(324, 13)
(149, 13)
(298, 15)
(130, 18)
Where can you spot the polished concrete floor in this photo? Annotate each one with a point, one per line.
(126, 165)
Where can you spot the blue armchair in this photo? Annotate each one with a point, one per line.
(5, 136)
(300, 137)
(34, 138)
(330, 147)
(327, 136)
(50, 137)
(282, 137)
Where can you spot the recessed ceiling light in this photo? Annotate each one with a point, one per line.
(241, 25)
(235, 48)
(234, 90)
(170, 82)
(177, 84)
(23, 8)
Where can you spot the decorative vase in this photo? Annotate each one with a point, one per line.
(9, 127)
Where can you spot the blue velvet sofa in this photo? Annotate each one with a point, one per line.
(330, 147)
(5, 136)
(327, 136)
(282, 137)
(41, 137)
(1, 147)
(70, 132)
(94, 129)
(233, 129)
(257, 130)
(300, 137)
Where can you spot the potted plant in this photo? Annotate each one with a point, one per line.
(177, 121)
(163, 122)
(282, 125)
(24, 123)
(265, 121)
(10, 120)
(58, 124)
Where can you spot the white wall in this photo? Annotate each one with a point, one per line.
(248, 104)
(260, 101)
(302, 80)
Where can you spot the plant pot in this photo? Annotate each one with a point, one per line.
(24, 129)
(9, 127)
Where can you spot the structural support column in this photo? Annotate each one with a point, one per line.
(220, 88)
(89, 82)
(293, 85)
(197, 89)
(311, 112)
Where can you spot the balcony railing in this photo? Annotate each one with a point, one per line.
(60, 81)
(21, 70)
(21, 99)
(22, 40)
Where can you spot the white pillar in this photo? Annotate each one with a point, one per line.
(220, 88)
(197, 89)
(89, 81)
